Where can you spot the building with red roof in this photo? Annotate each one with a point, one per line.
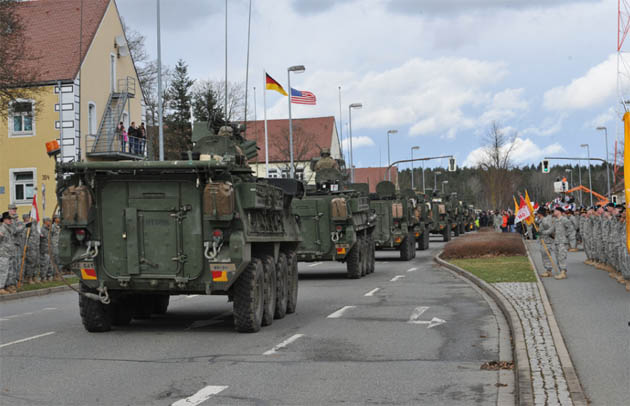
(373, 176)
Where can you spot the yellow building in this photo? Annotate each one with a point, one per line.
(87, 84)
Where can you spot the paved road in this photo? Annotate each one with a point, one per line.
(593, 313)
(364, 354)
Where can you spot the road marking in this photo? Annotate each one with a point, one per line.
(191, 296)
(201, 396)
(15, 316)
(315, 264)
(372, 292)
(340, 312)
(385, 262)
(395, 278)
(412, 269)
(418, 311)
(283, 344)
(27, 339)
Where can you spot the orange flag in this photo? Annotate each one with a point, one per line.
(626, 174)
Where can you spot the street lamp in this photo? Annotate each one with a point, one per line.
(571, 172)
(590, 185)
(389, 162)
(607, 165)
(412, 148)
(444, 182)
(435, 175)
(350, 107)
(295, 69)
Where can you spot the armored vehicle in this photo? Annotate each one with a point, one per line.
(138, 232)
(335, 221)
(395, 220)
(442, 222)
(454, 207)
(469, 217)
(425, 220)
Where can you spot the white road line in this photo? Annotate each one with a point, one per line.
(395, 278)
(372, 292)
(412, 269)
(15, 316)
(417, 312)
(315, 264)
(26, 339)
(283, 344)
(340, 312)
(201, 396)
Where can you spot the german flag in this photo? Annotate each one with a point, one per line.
(271, 84)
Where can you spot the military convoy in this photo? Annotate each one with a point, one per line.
(335, 220)
(138, 232)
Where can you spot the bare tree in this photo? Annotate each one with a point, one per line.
(496, 173)
(304, 146)
(236, 98)
(18, 64)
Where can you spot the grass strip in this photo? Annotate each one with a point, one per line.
(45, 285)
(498, 269)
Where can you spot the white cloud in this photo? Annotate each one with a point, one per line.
(607, 117)
(524, 151)
(596, 86)
(358, 142)
(550, 126)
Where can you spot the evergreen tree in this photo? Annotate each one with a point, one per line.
(178, 131)
(206, 106)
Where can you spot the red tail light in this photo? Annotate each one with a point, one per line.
(79, 233)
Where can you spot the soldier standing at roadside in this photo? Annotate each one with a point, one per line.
(544, 223)
(586, 231)
(6, 250)
(54, 235)
(45, 267)
(573, 230)
(560, 230)
(17, 226)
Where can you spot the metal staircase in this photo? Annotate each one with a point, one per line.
(109, 143)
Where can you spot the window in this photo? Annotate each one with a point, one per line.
(91, 118)
(273, 173)
(21, 123)
(299, 173)
(22, 185)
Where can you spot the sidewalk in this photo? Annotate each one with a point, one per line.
(593, 312)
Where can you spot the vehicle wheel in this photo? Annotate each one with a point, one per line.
(364, 257)
(425, 240)
(371, 254)
(456, 230)
(353, 262)
(160, 303)
(405, 250)
(122, 311)
(143, 306)
(269, 268)
(292, 295)
(249, 298)
(446, 233)
(96, 316)
(282, 289)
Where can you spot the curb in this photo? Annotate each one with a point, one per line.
(522, 373)
(37, 292)
(570, 374)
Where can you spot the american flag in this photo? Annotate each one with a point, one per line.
(302, 97)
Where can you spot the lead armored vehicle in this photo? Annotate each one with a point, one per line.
(139, 232)
(335, 221)
(441, 217)
(395, 220)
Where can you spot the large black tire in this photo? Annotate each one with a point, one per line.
(405, 250)
(353, 261)
(426, 236)
(446, 233)
(364, 257)
(249, 298)
(456, 230)
(269, 268)
(371, 255)
(282, 286)
(160, 304)
(292, 296)
(96, 316)
(122, 310)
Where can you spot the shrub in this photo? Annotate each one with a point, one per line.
(487, 244)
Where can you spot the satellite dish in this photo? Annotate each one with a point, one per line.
(120, 41)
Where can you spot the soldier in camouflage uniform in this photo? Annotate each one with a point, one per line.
(586, 230)
(605, 257)
(544, 223)
(17, 226)
(326, 162)
(45, 266)
(6, 250)
(31, 257)
(575, 225)
(596, 238)
(560, 231)
(54, 235)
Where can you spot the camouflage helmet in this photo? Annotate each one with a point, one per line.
(226, 131)
(325, 152)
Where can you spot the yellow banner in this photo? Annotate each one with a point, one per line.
(626, 173)
(530, 219)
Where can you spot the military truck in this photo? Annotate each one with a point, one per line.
(423, 227)
(469, 217)
(395, 220)
(335, 221)
(442, 223)
(136, 233)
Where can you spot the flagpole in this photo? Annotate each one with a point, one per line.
(340, 125)
(265, 114)
(291, 172)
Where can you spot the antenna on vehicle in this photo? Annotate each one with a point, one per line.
(249, 24)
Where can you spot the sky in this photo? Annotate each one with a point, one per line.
(440, 72)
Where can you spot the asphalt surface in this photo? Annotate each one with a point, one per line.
(365, 354)
(593, 313)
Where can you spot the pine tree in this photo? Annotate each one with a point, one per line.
(206, 106)
(178, 131)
